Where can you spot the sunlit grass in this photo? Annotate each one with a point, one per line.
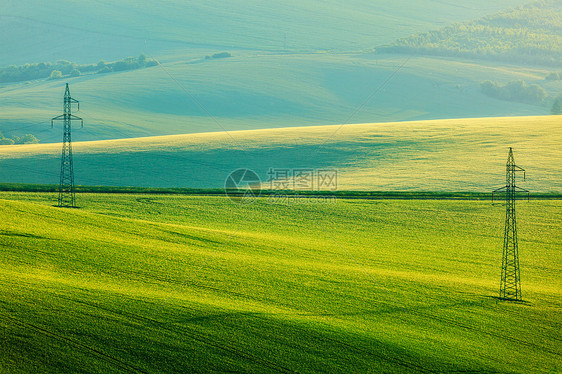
(179, 283)
(443, 155)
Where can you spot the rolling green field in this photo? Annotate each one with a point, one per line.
(99, 29)
(527, 34)
(293, 64)
(255, 90)
(145, 283)
(397, 272)
(445, 155)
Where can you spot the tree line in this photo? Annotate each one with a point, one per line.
(519, 91)
(63, 68)
(527, 34)
(24, 139)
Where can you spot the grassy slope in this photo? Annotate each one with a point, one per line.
(93, 30)
(526, 34)
(254, 90)
(447, 155)
(182, 283)
(265, 85)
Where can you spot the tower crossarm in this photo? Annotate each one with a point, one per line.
(70, 117)
(519, 168)
(523, 190)
(496, 191)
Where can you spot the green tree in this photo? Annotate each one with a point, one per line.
(106, 69)
(557, 106)
(56, 74)
(6, 141)
(535, 94)
(75, 73)
(28, 139)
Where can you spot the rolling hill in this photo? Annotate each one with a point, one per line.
(294, 64)
(160, 284)
(91, 30)
(444, 155)
(526, 34)
(252, 91)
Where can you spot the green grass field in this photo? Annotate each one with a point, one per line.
(398, 272)
(293, 64)
(146, 283)
(446, 155)
(255, 90)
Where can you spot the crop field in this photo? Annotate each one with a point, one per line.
(374, 131)
(291, 64)
(444, 155)
(254, 90)
(147, 283)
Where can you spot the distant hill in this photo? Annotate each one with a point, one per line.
(528, 34)
(292, 63)
(87, 31)
(188, 94)
(445, 155)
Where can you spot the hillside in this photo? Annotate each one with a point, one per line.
(445, 155)
(91, 30)
(189, 284)
(530, 34)
(293, 64)
(252, 90)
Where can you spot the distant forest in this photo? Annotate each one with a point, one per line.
(64, 68)
(527, 34)
(517, 91)
(25, 139)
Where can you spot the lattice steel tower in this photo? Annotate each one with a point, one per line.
(66, 187)
(510, 283)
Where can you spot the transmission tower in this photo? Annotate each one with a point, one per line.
(510, 283)
(66, 187)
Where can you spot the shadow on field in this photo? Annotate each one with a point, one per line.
(21, 235)
(391, 309)
(498, 300)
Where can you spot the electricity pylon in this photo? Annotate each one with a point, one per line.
(510, 283)
(66, 187)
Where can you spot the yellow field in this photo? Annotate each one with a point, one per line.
(438, 155)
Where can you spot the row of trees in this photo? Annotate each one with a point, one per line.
(517, 91)
(528, 34)
(24, 139)
(129, 63)
(63, 68)
(521, 92)
(219, 55)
